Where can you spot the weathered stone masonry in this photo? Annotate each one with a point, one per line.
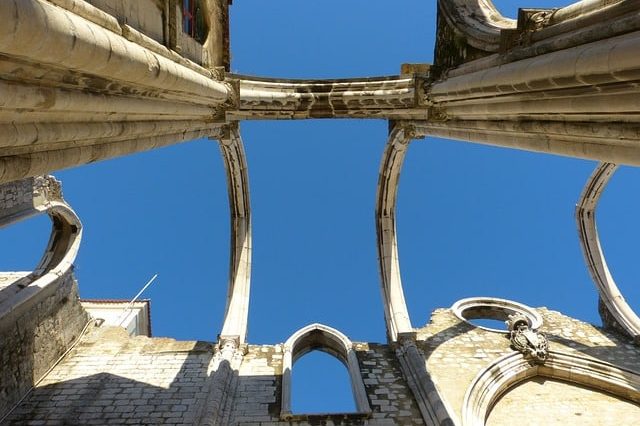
(34, 340)
(111, 378)
(142, 74)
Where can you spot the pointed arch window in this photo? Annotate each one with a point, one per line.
(323, 338)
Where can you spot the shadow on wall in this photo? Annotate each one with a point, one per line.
(112, 378)
(83, 390)
(33, 337)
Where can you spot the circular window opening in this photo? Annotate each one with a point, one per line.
(488, 323)
(490, 313)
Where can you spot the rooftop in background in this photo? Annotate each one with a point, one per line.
(134, 317)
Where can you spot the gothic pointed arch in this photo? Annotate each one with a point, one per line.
(504, 373)
(323, 338)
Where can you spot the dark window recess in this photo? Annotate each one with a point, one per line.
(193, 22)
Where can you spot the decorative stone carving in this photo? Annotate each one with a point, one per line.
(537, 19)
(437, 114)
(524, 339)
(228, 343)
(529, 21)
(47, 187)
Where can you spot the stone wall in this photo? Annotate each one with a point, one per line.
(32, 340)
(456, 351)
(539, 401)
(16, 198)
(260, 387)
(111, 378)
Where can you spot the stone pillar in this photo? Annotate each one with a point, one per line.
(237, 310)
(413, 366)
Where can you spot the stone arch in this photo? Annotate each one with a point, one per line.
(35, 196)
(321, 337)
(610, 295)
(395, 307)
(237, 309)
(509, 370)
(478, 21)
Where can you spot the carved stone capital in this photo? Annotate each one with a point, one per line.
(228, 344)
(405, 340)
(411, 132)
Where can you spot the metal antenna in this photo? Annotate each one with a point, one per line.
(130, 305)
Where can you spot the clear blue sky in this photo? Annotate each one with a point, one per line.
(472, 220)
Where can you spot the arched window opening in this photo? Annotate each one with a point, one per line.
(321, 385)
(491, 314)
(318, 337)
(491, 323)
(27, 240)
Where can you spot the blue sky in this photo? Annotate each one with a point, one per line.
(472, 220)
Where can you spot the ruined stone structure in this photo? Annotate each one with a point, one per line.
(140, 74)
